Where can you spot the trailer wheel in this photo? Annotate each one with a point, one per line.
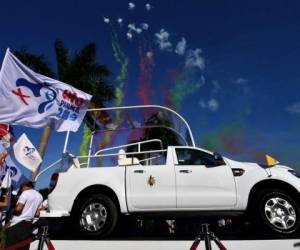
(96, 216)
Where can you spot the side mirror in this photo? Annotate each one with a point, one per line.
(218, 157)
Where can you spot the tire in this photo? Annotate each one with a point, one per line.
(279, 212)
(96, 216)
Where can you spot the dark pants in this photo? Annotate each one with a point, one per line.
(19, 232)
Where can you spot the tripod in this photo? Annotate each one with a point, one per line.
(43, 237)
(207, 236)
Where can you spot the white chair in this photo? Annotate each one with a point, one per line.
(124, 161)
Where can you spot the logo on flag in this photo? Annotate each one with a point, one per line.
(26, 153)
(34, 100)
(29, 152)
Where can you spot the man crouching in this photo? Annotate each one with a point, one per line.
(27, 207)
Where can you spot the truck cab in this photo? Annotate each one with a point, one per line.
(190, 179)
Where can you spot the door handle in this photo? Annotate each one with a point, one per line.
(139, 171)
(185, 171)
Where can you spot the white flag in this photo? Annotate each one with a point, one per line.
(34, 100)
(6, 182)
(26, 153)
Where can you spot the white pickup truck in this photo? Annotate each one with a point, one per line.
(178, 180)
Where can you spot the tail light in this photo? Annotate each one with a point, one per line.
(53, 181)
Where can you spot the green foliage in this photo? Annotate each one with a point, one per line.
(83, 72)
(79, 70)
(37, 63)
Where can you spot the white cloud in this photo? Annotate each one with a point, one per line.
(241, 80)
(181, 47)
(133, 28)
(131, 6)
(129, 35)
(145, 26)
(295, 108)
(148, 6)
(200, 82)
(194, 59)
(202, 79)
(202, 104)
(120, 20)
(216, 86)
(162, 39)
(243, 85)
(213, 105)
(149, 54)
(106, 20)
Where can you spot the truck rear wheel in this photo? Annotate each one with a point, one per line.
(96, 216)
(279, 212)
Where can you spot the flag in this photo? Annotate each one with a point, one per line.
(6, 135)
(9, 166)
(271, 161)
(6, 182)
(26, 153)
(4, 129)
(34, 100)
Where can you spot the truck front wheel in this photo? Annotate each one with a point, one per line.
(96, 216)
(279, 212)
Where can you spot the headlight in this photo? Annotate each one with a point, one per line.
(294, 172)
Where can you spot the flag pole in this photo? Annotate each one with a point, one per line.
(64, 154)
(42, 148)
(90, 149)
(66, 142)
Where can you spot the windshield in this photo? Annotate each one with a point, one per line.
(112, 127)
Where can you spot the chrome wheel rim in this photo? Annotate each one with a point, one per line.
(93, 217)
(280, 213)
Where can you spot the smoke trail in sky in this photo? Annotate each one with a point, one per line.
(83, 148)
(106, 139)
(186, 83)
(228, 138)
(233, 140)
(123, 61)
(179, 92)
(146, 65)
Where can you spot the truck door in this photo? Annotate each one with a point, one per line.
(151, 187)
(203, 182)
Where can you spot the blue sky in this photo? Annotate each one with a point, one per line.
(240, 92)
